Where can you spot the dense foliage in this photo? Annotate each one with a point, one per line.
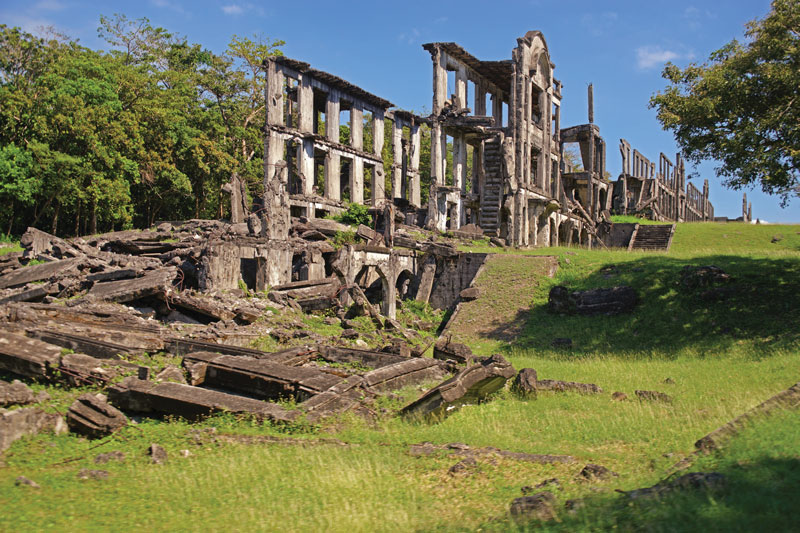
(92, 141)
(742, 107)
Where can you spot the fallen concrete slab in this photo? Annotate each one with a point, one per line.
(260, 378)
(27, 421)
(367, 358)
(79, 369)
(28, 274)
(27, 357)
(472, 385)
(411, 372)
(189, 402)
(91, 415)
(126, 290)
(82, 344)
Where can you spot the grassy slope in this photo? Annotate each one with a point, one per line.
(724, 358)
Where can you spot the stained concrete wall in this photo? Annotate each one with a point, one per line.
(453, 275)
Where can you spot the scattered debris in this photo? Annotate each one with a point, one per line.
(472, 385)
(158, 455)
(86, 473)
(92, 416)
(610, 301)
(22, 481)
(525, 382)
(690, 481)
(462, 466)
(428, 448)
(106, 457)
(445, 349)
(535, 507)
(593, 472)
(18, 423)
(619, 396)
(15, 393)
(653, 396)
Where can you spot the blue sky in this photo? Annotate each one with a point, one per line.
(619, 46)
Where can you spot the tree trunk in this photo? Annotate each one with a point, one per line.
(54, 228)
(93, 218)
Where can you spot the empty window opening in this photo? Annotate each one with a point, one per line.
(345, 171)
(344, 121)
(489, 108)
(505, 114)
(291, 110)
(451, 86)
(535, 167)
(573, 162)
(536, 105)
(448, 171)
(290, 155)
(369, 184)
(367, 132)
(320, 107)
(470, 93)
(555, 120)
(319, 173)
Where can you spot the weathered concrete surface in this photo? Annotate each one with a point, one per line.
(338, 354)
(40, 272)
(27, 357)
(608, 301)
(471, 385)
(27, 421)
(15, 393)
(567, 386)
(535, 507)
(445, 349)
(261, 378)
(189, 402)
(126, 290)
(404, 373)
(80, 343)
(78, 369)
(90, 415)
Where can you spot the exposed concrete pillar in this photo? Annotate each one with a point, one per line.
(397, 150)
(305, 101)
(306, 166)
(461, 86)
(332, 108)
(333, 176)
(497, 109)
(357, 181)
(377, 133)
(357, 127)
(438, 148)
(389, 302)
(460, 162)
(414, 182)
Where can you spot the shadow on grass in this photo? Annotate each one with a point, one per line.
(759, 308)
(760, 495)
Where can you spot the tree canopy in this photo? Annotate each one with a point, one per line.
(94, 140)
(742, 107)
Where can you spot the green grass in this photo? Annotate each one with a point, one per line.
(722, 357)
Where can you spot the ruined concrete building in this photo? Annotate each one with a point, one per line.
(662, 195)
(497, 168)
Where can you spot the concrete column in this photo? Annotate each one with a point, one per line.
(460, 162)
(378, 185)
(332, 108)
(332, 176)
(480, 100)
(377, 133)
(439, 96)
(397, 150)
(414, 185)
(461, 86)
(357, 181)
(497, 109)
(306, 166)
(357, 127)
(305, 101)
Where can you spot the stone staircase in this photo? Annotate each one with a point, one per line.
(652, 237)
(493, 185)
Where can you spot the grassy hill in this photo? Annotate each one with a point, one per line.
(716, 354)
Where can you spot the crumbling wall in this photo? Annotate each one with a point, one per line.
(453, 275)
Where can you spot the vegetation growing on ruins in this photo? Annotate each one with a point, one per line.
(92, 141)
(742, 107)
(715, 357)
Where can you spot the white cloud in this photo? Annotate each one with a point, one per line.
(232, 9)
(411, 37)
(599, 24)
(650, 56)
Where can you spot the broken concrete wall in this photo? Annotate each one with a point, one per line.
(453, 275)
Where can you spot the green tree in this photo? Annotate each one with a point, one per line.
(742, 107)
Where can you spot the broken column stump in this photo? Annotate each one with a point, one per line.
(91, 415)
(404, 373)
(472, 385)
